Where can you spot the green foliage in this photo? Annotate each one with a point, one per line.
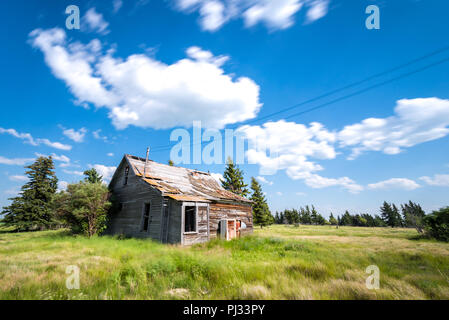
(171, 163)
(332, 220)
(233, 179)
(390, 215)
(92, 176)
(413, 216)
(437, 224)
(30, 210)
(83, 207)
(261, 213)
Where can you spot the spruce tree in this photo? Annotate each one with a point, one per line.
(92, 176)
(30, 210)
(332, 220)
(314, 216)
(233, 179)
(261, 212)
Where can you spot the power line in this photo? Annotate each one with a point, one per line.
(168, 147)
(370, 88)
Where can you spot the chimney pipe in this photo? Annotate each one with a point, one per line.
(146, 161)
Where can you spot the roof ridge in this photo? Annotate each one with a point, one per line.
(163, 164)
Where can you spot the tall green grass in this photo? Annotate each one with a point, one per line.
(280, 262)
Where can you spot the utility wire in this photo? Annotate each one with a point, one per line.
(168, 147)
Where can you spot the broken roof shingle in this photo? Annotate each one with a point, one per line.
(181, 183)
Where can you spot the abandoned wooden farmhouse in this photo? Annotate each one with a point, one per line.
(174, 204)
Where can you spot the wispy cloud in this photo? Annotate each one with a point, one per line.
(28, 138)
(18, 178)
(95, 22)
(75, 135)
(73, 172)
(15, 161)
(275, 15)
(438, 180)
(395, 183)
(263, 180)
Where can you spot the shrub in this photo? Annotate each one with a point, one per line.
(437, 224)
(83, 207)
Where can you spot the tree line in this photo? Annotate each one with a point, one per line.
(82, 207)
(410, 215)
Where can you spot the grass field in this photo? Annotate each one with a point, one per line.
(281, 262)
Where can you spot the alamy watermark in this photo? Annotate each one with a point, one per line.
(373, 280)
(212, 146)
(373, 20)
(73, 280)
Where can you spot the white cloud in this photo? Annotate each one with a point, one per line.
(117, 4)
(62, 185)
(301, 194)
(290, 146)
(279, 193)
(75, 135)
(218, 177)
(439, 180)
(35, 142)
(15, 161)
(95, 22)
(395, 183)
(145, 92)
(416, 121)
(105, 171)
(276, 15)
(110, 154)
(13, 192)
(263, 180)
(18, 178)
(74, 172)
(317, 10)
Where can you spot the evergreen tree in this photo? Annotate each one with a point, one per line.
(398, 222)
(233, 179)
(30, 210)
(332, 220)
(92, 176)
(305, 216)
(390, 215)
(314, 216)
(261, 212)
(413, 216)
(346, 219)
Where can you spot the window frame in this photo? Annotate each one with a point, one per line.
(142, 224)
(184, 218)
(125, 182)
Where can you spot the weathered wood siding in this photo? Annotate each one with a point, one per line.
(219, 211)
(133, 196)
(202, 233)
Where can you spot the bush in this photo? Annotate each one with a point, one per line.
(437, 224)
(83, 207)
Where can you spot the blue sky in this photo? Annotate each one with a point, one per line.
(137, 70)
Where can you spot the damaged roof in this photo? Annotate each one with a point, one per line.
(180, 183)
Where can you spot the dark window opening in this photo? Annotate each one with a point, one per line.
(126, 176)
(146, 217)
(190, 219)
